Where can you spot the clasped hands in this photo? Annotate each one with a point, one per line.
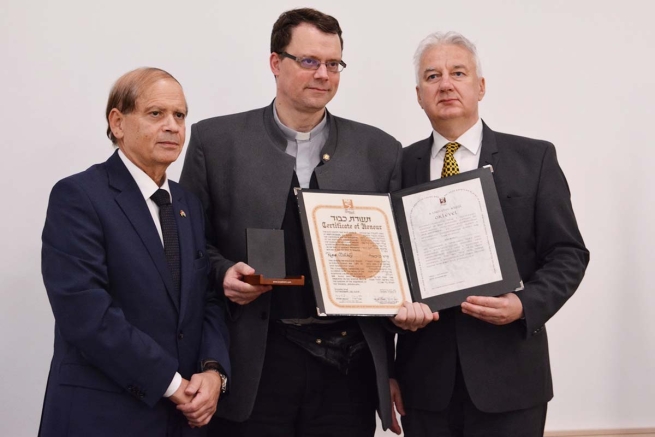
(197, 398)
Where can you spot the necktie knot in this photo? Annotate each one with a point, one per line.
(452, 147)
(161, 197)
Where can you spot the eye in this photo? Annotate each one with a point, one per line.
(180, 115)
(155, 113)
(309, 63)
(459, 74)
(432, 76)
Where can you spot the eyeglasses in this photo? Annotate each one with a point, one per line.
(315, 64)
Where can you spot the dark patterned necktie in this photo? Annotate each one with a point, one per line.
(450, 166)
(169, 232)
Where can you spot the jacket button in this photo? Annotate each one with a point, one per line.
(180, 336)
(319, 341)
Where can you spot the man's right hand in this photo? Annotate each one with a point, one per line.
(238, 291)
(414, 315)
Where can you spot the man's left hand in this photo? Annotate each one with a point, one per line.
(499, 310)
(205, 388)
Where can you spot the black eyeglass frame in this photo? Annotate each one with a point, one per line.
(318, 63)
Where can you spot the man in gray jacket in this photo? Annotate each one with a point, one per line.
(244, 168)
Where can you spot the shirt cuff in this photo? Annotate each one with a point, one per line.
(175, 384)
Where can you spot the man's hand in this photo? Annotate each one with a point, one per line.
(179, 397)
(413, 316)
(238, 291)
(396, 405)
(205, 389)
(499, 310)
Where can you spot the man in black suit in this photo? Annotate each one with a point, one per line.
(483, 369)
(294, 374)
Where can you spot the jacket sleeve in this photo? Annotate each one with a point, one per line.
(194, 179)
(215, 343)
(76, 278)
(560, 251)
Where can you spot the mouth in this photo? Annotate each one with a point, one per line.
(168, 143)
(447, 101)
(319, 90)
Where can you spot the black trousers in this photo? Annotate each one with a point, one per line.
(300, 396)
(462, 419)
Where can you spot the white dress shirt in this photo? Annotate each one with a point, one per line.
(467, 156)
(148, 187)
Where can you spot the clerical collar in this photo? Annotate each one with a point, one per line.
(292, 135)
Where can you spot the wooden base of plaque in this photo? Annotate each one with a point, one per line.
(261, 280)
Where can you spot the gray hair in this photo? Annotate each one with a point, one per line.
(445, 38)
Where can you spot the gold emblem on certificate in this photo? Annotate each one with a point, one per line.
(358, 255)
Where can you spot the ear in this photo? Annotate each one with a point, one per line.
(418, 97)
(116, 120)
(483, 89)
(274, 62)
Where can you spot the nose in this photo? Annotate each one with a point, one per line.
(445, 84)
(321, 72)
(172, 123)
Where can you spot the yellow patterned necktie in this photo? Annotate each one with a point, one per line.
(450, 166)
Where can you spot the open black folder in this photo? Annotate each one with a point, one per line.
(436, 243)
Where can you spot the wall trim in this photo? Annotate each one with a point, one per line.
(632, 432)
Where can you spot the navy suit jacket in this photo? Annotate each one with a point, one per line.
(119, 334)
(505, 367)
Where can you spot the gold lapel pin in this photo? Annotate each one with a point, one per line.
(182, 213)
(326, 157)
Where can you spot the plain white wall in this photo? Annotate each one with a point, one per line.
(578, 73)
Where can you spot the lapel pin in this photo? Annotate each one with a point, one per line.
(326, 157)
(182, 213)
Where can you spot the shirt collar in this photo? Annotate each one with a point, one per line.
(292, 135)
(470, 140)
(146, 185)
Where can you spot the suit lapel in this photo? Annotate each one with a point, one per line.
(131, 202)
(185, 237)
(423, 161)
(489, 152)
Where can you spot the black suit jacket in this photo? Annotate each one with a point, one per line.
(505, 367)
(238, 166)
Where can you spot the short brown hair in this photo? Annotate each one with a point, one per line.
(281, 35)
(128, 88)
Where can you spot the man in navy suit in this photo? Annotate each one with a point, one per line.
(483, 369)
(141, 348)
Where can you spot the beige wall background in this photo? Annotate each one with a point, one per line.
(578, 73)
